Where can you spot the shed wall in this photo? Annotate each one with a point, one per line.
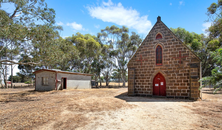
(75, 81)
(51, 81)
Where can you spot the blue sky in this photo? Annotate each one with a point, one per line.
(90, 16)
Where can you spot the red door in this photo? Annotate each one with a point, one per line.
(159, 85)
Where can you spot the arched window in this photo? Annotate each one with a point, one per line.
(159, 55)
(159, 36)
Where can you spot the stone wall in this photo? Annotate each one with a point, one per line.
(181, 77)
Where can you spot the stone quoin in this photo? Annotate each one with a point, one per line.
(164, 66)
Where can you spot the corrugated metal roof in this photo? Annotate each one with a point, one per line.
(60, 71)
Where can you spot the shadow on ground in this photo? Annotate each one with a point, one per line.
(124, 96)
(26, 96)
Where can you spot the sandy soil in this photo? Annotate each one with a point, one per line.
(23, 108)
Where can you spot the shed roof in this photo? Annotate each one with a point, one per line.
(60, 71)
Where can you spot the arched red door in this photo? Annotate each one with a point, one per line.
(159, 85)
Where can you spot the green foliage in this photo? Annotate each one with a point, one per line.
(20, 34)
(214, 45)
(195, 45)
(28, 82)
(20, 78)
(213, 8)
(215, 13)
(15, 79)
(192, 40)
(30, 11)
(216, 78)
(85, 50)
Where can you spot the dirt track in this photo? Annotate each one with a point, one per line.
(105, 109)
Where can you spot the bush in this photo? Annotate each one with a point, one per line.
(28, 82)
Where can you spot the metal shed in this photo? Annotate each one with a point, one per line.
(52, 79)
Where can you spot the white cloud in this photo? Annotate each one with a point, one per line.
(109, 3)
(116, 13)
(171, 4)
(60, 23)
(97, 26)
(205, 27)
(181, 3)
(76, 26)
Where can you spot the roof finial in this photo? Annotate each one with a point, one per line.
(158, 18)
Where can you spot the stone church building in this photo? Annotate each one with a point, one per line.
(164, 66)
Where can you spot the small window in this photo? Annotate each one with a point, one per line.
(159, 55)
(45, 81)
(159, 36)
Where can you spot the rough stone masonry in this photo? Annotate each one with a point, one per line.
(180, 67)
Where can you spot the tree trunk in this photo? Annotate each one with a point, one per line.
(11, 76)
(11, 68)
(96, 82)
(5, 77)
(119, 80)
(124, 81)
(107, 84)
(100, 81)
(1, 72)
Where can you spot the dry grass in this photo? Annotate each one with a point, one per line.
(104, 109)
(29, 109)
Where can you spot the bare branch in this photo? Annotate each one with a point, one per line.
(18, 14)
(20, 63)
(13, 15)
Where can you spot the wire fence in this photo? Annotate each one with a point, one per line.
(110, 85)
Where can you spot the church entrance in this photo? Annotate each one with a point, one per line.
(159, 85)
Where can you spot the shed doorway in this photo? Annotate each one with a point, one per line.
(159, 85)
(64, 83)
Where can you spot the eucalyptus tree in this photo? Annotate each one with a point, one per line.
(123, 46)
(97, 66)
(45, 48)
(215, 45)
(88, 50)
(66, 53)
(216, 74)
(15, 26)
(215, 15)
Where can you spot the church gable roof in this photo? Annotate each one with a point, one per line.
(154, 32)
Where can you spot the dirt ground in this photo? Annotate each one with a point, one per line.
(23, 108)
